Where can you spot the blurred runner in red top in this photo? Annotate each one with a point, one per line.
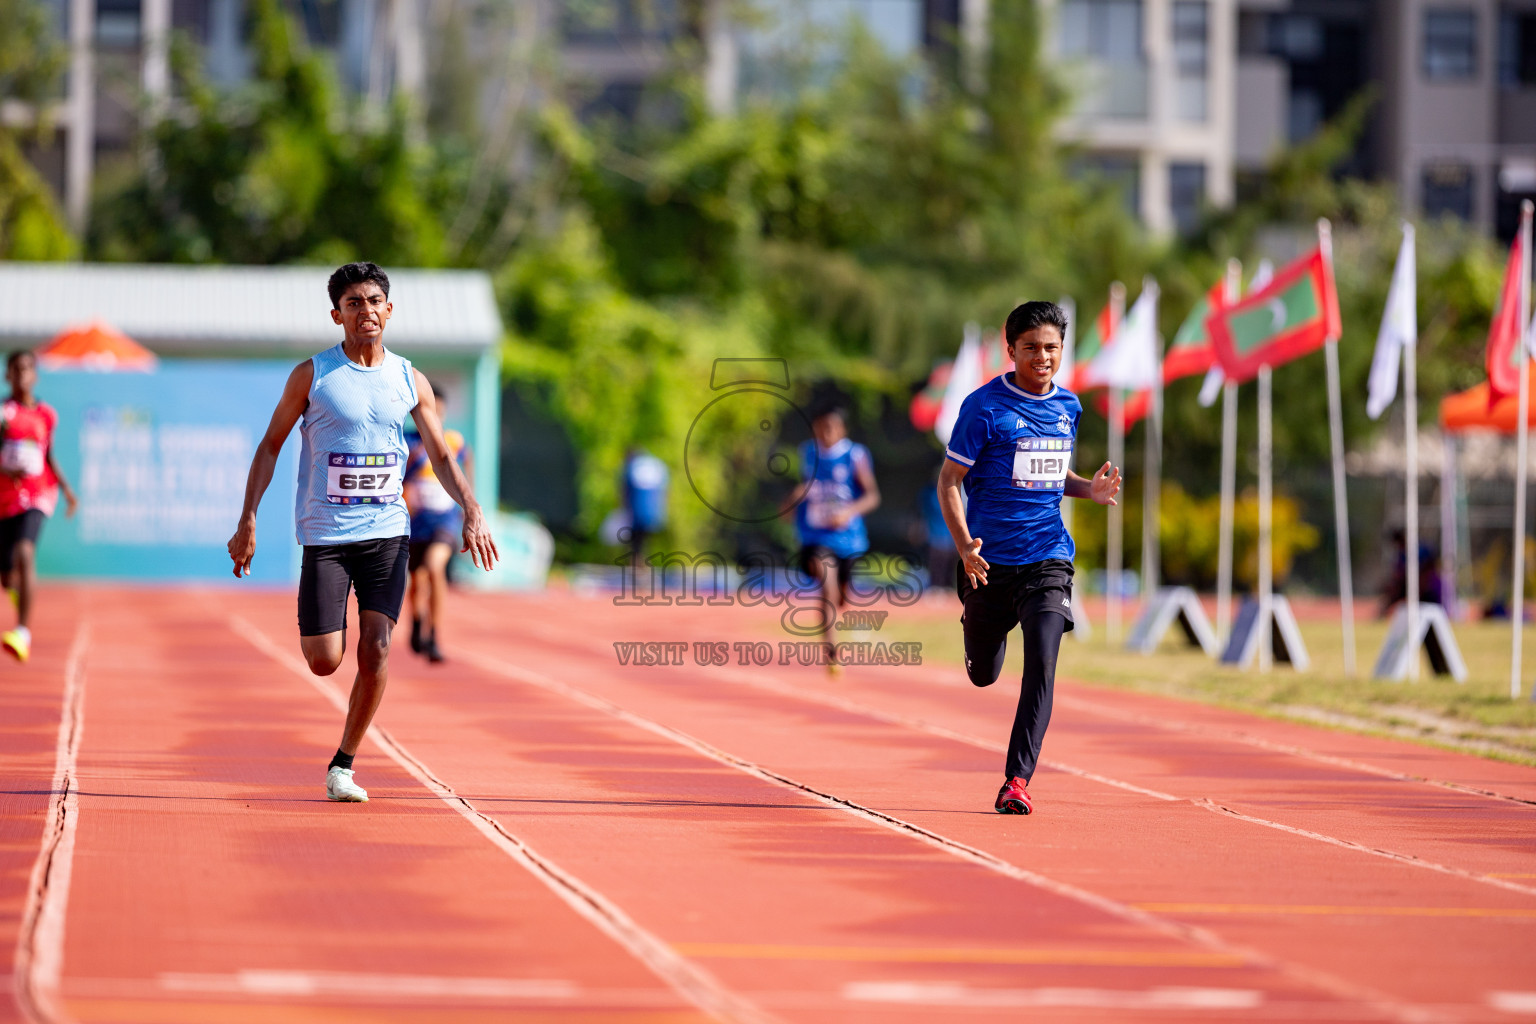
(30, 483)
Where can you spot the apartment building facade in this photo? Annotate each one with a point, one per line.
(1174, 101)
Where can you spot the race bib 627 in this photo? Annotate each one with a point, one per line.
(362, 479)
(1041, 463)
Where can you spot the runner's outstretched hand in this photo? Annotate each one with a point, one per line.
(975, 566)
(242, 546)
(477, 540)
(1105, 485)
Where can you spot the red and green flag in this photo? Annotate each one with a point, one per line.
(1190, 352)
(1505, 353)
(1099, 333)
(1296, 313)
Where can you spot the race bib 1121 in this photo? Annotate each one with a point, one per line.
(1041, 463)
(362, 479)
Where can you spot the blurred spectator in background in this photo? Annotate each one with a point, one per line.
(436, 528)
(645, 498)
(1396, 588)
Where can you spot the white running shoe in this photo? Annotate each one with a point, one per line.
(339, 786)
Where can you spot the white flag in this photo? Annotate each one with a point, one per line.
(1210, 388)
(964, 377)
(1399, 330)
(1130, 362)
(1069, 343)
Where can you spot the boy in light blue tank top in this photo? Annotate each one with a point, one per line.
(351, 516)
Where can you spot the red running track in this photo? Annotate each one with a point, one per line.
(553, 835)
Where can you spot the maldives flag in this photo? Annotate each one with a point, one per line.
(1504, 350)
(1098, 334)
(1190, 351)
(1294, 314)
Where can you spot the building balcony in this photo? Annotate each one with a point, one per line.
(1117, 90)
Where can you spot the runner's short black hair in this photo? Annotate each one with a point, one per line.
(355, 273)
(15, 357)
(829, 407)
(1030, 315)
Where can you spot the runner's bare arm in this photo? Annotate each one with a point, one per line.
(477, 536)
(242, 546)
(954, 517)
(71, 503)
(1102, 488)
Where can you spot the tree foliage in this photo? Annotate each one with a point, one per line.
(31, 65)
(280, 170)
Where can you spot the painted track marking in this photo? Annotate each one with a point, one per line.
(843, 704)
(1238, 736)
(1345, 990)
(945, 994)
(385, 987)
(39, 962)
(913, 954)
(689, 980)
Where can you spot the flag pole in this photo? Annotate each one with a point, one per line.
(1340, 499)
(1068, 361)
(1522, 453)
(1265, 624)
(1233, 285)
(1152, 472)
(1113, 556)
(1411, 494)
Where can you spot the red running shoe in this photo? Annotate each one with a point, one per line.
(1013, 798)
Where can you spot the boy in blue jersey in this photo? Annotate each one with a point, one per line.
(354, 399)
(1011, 448)
(837, 488)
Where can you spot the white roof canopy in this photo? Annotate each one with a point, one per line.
(175, 309)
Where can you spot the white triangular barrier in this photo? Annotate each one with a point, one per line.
(1168, 606)
(1243, 644)
(1435, 637)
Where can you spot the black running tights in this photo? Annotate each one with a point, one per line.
(986, 645)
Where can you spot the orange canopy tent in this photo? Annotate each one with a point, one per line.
(1471, 410)
(95, 346)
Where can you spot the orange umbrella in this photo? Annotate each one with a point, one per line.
(1471, 410)
(95, 346)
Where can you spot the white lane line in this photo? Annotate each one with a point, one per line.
(1338, 987)
(1513, 1002)
(1182, 932)
(374, 986)
(1402, 858)
(39, 963)
(917, 993)
(1204, 803)
(1238, 736)
(689, 980)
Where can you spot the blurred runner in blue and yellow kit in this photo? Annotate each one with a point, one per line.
(837, 489)
(435, 524)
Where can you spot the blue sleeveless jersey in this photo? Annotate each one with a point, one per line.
(1018, 448)
(833, 483)
(353, 454)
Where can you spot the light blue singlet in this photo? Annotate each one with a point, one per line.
(353, 453)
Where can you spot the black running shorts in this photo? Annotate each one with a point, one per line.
(813, 553)
(375, 568)
(14, 530)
